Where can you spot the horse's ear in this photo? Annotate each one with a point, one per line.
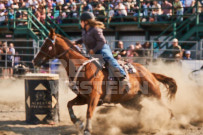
(51, 33)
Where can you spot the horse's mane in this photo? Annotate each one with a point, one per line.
(69, 43)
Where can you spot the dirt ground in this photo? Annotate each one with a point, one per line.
(12, 117)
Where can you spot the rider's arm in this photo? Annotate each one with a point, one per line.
(100, 39)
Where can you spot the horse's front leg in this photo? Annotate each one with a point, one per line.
(76, 101)
(92, 104)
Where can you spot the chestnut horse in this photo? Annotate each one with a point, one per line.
(92, 85)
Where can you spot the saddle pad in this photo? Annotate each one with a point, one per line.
(127, 67)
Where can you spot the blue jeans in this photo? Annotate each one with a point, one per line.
(108, 57)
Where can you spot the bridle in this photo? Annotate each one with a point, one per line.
(54, 48)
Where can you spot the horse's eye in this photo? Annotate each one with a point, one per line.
(50, 48)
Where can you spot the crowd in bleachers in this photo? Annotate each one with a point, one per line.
(149, 10)
(148, 50)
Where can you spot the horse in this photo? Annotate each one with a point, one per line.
(92, 87)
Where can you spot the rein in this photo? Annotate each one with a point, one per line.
(54, 47)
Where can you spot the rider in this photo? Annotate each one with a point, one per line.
(95, 43)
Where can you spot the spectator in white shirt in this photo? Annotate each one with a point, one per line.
(156, 10)
(120, 10)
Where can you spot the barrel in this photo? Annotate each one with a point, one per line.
(41, 98)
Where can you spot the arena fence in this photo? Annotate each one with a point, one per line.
(201, 49)
(160, 49)
(24, 53)
(26, 49)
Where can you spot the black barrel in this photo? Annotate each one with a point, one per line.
(41, 98)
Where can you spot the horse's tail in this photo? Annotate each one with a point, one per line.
(170, 84)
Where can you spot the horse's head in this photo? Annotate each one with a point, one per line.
(47, 50)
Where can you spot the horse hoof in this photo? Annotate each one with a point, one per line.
(87, 132)
(79, 125)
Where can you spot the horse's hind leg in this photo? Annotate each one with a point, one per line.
(76, 101)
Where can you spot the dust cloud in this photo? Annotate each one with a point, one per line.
(11, 95)
(154, 117)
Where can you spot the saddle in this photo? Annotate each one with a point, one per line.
(128, 67)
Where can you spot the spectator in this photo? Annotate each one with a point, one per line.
(21, 3)
(11, 14)
(143, 12)
(199, 6)
(136, 12)
(27, 4)
(111, 12)
(177, 51)
(61, 17)
(120, 10)
(138, 49)
(100, 11)
(129, 5)
(49, 4)
(10, 2)
(43, 4)
(24, 17)
(167, 10)
(2, 6)
(156, 48)
(94, 3)
(36, 4)
(10, 62)
(120, 49)
(187, 55)
(130, 53)
(59, 2)
(5, 51)
(72, 6)
(2, 17)
(188, 6)
(178, 9)
(38, 15)
(87, 7)
(156, 10)
(146, 52)
(43, 16)
(17, 59)
(147, 46)
(15, 5)
(18, 14)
